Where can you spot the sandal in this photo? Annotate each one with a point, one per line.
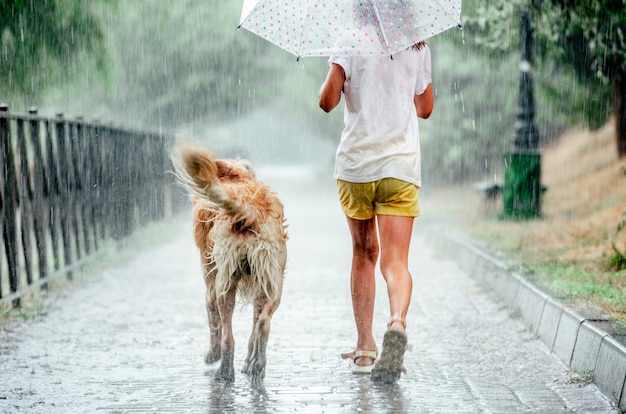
(391, 363)
(361, 353)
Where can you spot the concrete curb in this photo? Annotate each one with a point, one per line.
(577, 341)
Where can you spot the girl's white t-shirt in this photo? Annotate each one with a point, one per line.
(380, 138)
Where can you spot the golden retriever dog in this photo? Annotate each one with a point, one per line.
(240, 230)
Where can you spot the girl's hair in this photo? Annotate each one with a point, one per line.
(419, 45)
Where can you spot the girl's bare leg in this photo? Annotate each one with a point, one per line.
(395, 239)
(362, 281)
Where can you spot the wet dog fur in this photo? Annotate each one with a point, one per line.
(239, 228)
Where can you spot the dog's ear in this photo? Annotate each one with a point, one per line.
(246, 164)
(197, 162)
(234, 169)
(227, 169)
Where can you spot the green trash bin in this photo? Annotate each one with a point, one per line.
(522, 192)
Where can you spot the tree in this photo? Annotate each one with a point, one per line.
(179, 63)
(588, 35)
(40, 39)
(593, 35)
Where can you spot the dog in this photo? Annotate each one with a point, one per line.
(240, 230)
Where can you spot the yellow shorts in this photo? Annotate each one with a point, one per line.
(389, 196)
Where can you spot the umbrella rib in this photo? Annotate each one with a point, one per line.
(380, 26)
(304, 29)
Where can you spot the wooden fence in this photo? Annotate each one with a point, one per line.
(66, 186)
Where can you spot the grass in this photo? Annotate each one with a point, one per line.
(577, 249)
(583, 378)
(571, 280)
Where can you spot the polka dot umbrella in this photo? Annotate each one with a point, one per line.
(348, 27)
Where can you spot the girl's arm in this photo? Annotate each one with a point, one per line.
(424, 103)
(330, 92)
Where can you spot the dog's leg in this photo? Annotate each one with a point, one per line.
(226, 305)
(259, 337)
(215, 325)
(258, 305)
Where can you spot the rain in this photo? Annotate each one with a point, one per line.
(126, 330)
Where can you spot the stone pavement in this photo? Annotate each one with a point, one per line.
(131, 339)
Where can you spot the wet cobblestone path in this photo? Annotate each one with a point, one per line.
(132, 339)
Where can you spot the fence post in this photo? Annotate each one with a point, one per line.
(63, 195)
(107, 186)
(25, 197)
(40, 212)
(96, 188)
(74, 187)
(9, 203)
(81, 155)
(51, 192)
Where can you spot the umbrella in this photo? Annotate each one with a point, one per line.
(348, 27)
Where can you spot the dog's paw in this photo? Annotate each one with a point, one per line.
(212, 356)
(255, 371)
(257, 380)
(244, 368)
(225, 373)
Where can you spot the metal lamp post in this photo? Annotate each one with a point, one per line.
(521, 194)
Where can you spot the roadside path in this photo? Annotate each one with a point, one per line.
(132, 339)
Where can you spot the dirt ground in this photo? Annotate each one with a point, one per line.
(584, 202)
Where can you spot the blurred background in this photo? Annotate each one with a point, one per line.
(185, 67)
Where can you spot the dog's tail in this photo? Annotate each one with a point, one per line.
(198, 171)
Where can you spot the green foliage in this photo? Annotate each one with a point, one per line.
(186, 59)
(618, 259)
(471, 125)
(185, 64)
(476, 92)
(581, 38)
(592, 33)
(589, 35)
(571, 280)
(40, 43)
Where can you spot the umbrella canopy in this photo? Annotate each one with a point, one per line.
(348, 27)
